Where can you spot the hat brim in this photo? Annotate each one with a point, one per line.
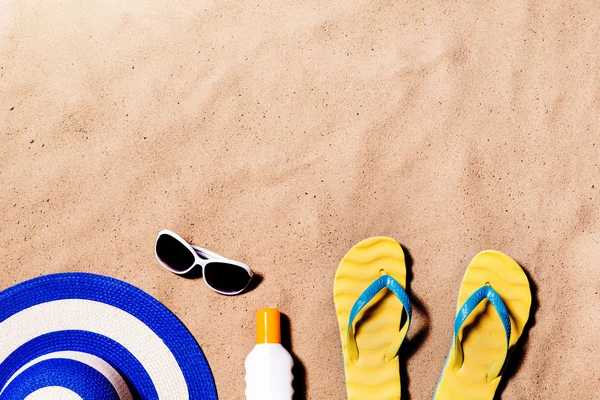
(56, 324)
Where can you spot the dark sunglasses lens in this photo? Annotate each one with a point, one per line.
(174, 253)
(226, 278)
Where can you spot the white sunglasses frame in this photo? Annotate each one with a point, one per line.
(202, 257)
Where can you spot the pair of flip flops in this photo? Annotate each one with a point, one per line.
(374, 313)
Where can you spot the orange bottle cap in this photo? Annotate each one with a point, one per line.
(268, 326)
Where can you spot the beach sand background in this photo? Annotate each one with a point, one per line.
(282, 133)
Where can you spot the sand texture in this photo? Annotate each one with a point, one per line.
(282, 133)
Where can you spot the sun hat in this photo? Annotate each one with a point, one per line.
(87, 336)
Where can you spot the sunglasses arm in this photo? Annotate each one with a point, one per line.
(207, 254)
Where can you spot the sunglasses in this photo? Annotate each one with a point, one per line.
(221, 274)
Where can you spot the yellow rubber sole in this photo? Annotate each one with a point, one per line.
(371, 377)
(483, 336)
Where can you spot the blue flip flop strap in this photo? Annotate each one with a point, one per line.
(485, 292)
(370, 292)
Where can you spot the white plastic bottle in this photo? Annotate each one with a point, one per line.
(269, 365)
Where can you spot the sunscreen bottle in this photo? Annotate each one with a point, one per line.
(269, 365)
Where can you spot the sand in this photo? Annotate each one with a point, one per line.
(282, 133)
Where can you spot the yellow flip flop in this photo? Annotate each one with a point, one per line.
(485, 332)
(370, 317)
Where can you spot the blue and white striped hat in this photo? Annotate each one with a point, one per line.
(85, 336)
